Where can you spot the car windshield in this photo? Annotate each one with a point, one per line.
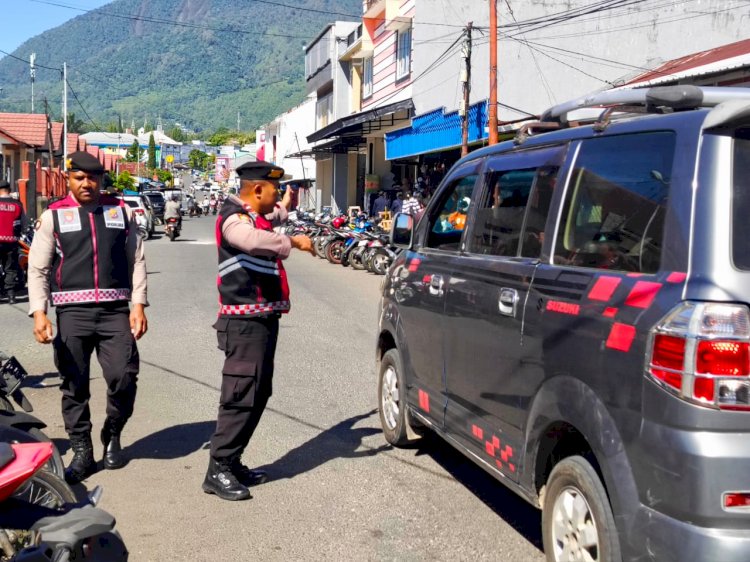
(155, 197)
(132, 203)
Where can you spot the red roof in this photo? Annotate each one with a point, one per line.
(711, 60)
(73, 142)
(29, 128)
(57, 133)
(93, 150)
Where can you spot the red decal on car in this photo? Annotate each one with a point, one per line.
(621, 337)
(642, 294)
(676, 277)
(477, 432)
(563, 307)
(604, 288)
(489, 448)
(609, 312)
(424, 401)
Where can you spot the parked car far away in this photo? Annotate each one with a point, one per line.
(571, 313)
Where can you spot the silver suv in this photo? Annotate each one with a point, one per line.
(572, 313)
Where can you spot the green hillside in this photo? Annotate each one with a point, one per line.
(197, 62)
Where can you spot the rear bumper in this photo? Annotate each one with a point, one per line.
(658, 537)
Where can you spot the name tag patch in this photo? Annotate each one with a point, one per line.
(114, 217)
(69, 219)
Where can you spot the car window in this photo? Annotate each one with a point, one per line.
(741, 200)
(613, 216)
(448, 217)
(132, 203)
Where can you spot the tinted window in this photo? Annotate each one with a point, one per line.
(133, 204)
(613, 217)
(511, 197)
(448, 217)
(741, 200)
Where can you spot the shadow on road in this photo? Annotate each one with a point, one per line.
(172, 442)
(516, 512)
(342, 441)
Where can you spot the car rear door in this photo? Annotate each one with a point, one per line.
(419, 289)
(486, 295)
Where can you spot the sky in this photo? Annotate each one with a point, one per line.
(23, 19)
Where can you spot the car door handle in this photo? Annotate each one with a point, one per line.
(436, 285)
(508, 301)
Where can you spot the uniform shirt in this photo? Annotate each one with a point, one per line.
(242, 234)
(43, 251)
(172, 210)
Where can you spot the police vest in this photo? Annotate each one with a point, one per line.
(248, 285)
(90, 263)
(10, 220)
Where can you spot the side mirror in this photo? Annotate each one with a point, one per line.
(402, 231)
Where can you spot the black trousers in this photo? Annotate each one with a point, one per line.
(81, 330)
(9, 263)
(249, 346)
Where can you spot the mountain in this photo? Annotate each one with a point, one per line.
(196, 62)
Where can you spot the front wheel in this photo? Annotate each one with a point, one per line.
(392, 399)
(577, 520)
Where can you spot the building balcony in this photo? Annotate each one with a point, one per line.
(373, 8)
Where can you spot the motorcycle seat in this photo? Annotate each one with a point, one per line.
(7, 455)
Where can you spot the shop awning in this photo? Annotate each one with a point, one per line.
(436, 130)
(363, 122)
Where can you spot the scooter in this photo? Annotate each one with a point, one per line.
(21, 427)
(34, 529)
(172, 228)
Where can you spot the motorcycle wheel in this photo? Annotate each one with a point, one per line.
(334, 251)
(380, 263)
(355, 259)
(319, 247)
(171, 235)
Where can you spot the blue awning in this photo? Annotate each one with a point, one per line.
(435, 131)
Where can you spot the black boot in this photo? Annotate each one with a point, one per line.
(220, 481)
(247, 476)
(113, 455)
(83, 464)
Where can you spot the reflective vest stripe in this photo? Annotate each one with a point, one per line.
(90, 295)
(253, 309)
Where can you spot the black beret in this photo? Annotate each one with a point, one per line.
(84, 162)
(260, 170)
(4, 185)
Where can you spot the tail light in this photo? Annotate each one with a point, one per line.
(139, 212)
(701, 353)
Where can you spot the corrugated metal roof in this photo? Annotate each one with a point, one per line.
(720, 59)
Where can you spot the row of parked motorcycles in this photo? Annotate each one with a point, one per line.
(348, 241)
(41, 518)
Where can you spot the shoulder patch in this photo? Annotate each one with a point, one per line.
(243, 217)
(38, 224)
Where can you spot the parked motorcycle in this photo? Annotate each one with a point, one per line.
(40, 519)
(172, 228)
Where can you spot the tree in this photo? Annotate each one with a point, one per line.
(198, 159)
(76, 125)
(151, 152)
(124, 181)
(134, 152)
(177, 134)
(164, 175)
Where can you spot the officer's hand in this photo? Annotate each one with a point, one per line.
(286, 200)
(303, 243)
(42, 327)
(138, 322)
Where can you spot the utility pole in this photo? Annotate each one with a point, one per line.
(238, 121)
(50, 143)
(463, 110)
(65, 117)
(493, 73)
(32, 70)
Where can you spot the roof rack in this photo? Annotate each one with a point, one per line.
(670, 97)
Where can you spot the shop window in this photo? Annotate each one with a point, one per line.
(613, 217)
(448, 220)
(367, 77)
(403, 53)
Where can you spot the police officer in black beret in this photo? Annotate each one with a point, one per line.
(253, 293)
(12, 219)
(87, 258)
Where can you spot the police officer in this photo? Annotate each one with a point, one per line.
(253, 292)
(11, 221)
(88, 259)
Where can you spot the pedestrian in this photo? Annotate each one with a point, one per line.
(253, 292)
(379, 205)
(398, 203)
(90, 241)
(12, 219)
(411, 205)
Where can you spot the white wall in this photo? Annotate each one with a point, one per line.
(631, 38)
(291, 130)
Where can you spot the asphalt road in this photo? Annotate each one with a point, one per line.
(337, 491)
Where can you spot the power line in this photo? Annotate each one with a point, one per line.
(86, 113)
(36, 65)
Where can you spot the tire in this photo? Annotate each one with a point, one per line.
(577, 512)
(6, 405)
(55, 464)
(392, 400)
(355, 258)
(334, 251)
(319, 246)
(171, 235)
(380, 263)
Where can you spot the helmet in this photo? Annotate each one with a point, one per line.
(338, 222)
